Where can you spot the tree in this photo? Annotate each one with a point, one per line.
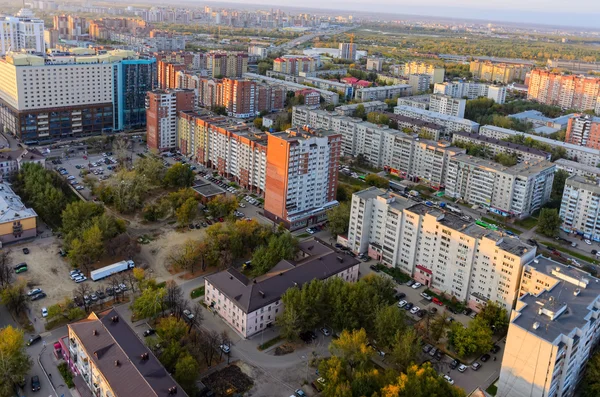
(360, 112)
(80, 292)
(128, 190)
(352, 347)
(549, 222)
(14, 360)
(280, 247)
(376, 180)
(171, 329)
(78, 215)
(290, 321)
(186, 256)
(378, 118)
(140, 276)
(590, 386)
(558, 185)
(506, 159)
(420, 381)
(220, 110)
(6, 271)
(187, 371)
(258, 122)
(222, 206)
(388, 322)
(496, 316)
(437, 327)
(14, 297)
(88, 249)
(339, 219)
(405, 348)
(187, 212)
(474, 339)
(120, 148)
(179, 175)
(152, 167)
(150, 303)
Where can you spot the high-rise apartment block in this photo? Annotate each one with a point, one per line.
(459, 89)
(419, 82)
(495, 147)
(502, 73)
(294, 65)
(162, 108)
(74, 96)
(348, 51)
(302, 176)
(579, 208)
(70, 26)
(566, 91)
(50, 38)
(584, 130)
(436, 73)
(437, 248)
(382, 93)
(452, 123)
(167, 73)
(446, 104)
(515, 191)
(552, 331)
(258, 51)
(226, 64)
(21, 32)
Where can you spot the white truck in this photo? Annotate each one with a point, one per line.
(109, 270)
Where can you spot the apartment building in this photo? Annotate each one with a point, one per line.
(405, 123)
(239, 98)
(346, 90)
(226, 64)
(167, 73)
(347, 51)
(12, 161)
(294, 65)
(575, 168)
(373, 106)
(448, 105)
(258, 51)
(250, 306)
(419, 82)
(108, 358)
(542, 124)
(328, 96)
(584, 130)
(162, 108)
(451, 123)
(311, 97)
(382, 93)
(503, 73)
(579, 207)
(17, 222)
(437, 248)
(234, 150)
(581, 154)
(22, 32)
(50, 38)
(411, 68)
(302, 176)
(566, 91)
(515, 191)
(552, 331)
(496, 146)
(375, 64)
(416, 101)
(471, 90)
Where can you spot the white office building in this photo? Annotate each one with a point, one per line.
(22, 32)
(438, 249)
(552, 331)
(446, 104)
(470, 90)
(452, 123)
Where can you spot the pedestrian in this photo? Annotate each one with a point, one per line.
(494, 358)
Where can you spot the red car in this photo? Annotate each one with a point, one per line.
(221, 220)
(437, 302)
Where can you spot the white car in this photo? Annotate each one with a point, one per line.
(402, 303)
(310, 231)
(415, 310)
(242, 205)
(449, 379)
(188, 314)
(416, 285)
(462, 368)
(226, 349)
(425, 296)
(80, 279)
(44, 312)
(325, 331)
(70, 177)
(588, 242)
(34, 291)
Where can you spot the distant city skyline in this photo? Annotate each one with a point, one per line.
(533, 11)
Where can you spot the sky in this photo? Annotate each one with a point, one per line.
(584, 13)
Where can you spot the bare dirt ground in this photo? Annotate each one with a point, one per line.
(278, 382)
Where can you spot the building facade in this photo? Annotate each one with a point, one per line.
(302, 176)
(503, 73)
(495, 146)
(382, 93)
(552, 331)
(162, 108)
(471, 90)
(17, 222)
(584, 130)
(451, 123)
(436, 73)
(446, 104)
(348, 51)
(579, 207)
(437, 248)
(375, 64)
(250, 306)
(566, 91)
(226, 64)
(22, 32)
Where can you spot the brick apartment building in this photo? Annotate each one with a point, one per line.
(162, 107)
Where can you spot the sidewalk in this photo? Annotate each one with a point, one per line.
(50, 363)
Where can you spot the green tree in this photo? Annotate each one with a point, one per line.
(78, 215)
(496, 316)
(405, 348)
(474, 339)
(179, 175)
(506, 159)
(187, 212)
(258, 123)
(151, 167)
(360, 112)
(421, 381)
(222, 206)
(220, 110)
(14, 360)
(438, 327)
(378, 118)
(86, 250)
(590, 386)
(549, 222)
(185, 256)
(290, 321)
(128, 190)
(187, 371)
(352, 347)
(389, 321)
(334, 370)
(283, 246)
(338, 219)
(558, 185)
(150, 303)
(14, 297)
(378, 181)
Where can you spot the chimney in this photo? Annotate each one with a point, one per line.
(117, 363)
(536, 325)
(261, 293)
(95, 333)
(173, 390)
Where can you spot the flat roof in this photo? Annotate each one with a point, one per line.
(564, 163)
(584, 183)
(107, 342)
(508, 145)
(436, 115)
(524, 168)
(207, 189)
(321, 263)
(576, 300)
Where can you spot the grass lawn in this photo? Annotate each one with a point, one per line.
(304, 235)
(493, 389)
(552, 245)
(500, 223)
(352, 181)
(269, 343)
(528, 223)
(198, 292)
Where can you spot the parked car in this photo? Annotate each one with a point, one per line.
(20, 265)
(415, 309)
(409, 283)
(449, 379)
(26, 251)
(35, 383)
(34, 291)
(402, 303)
(188, 314)
(495, 349)
(225, 349)
(34, 339)
(421, 313)
(425, 296)
(149, 331)
(400, 295)
(80, 279)
(475, 366)
(374, 268)
(588, 242)
(39, 296)
(467, 311)
(454, 364)
(408, 306)
(44, 312)
(325, 331)
(438, 302)
(300, 393)
(100, 294)
(462, 368)
(427, 348)
(416, 285)
(438, 355)
(432, 351)
(485, 357)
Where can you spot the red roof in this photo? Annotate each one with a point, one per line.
(364, 83)
(349, 80)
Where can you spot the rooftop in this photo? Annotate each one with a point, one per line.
(303, 133)
(569, 164)
(525, 168)
(207, 189)
(508, 145)
(584, 183)
(385, 87)
(316, 261)
(435, 115)
(11, 206)
(563, 306)
(414, 121)
(129, 367)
